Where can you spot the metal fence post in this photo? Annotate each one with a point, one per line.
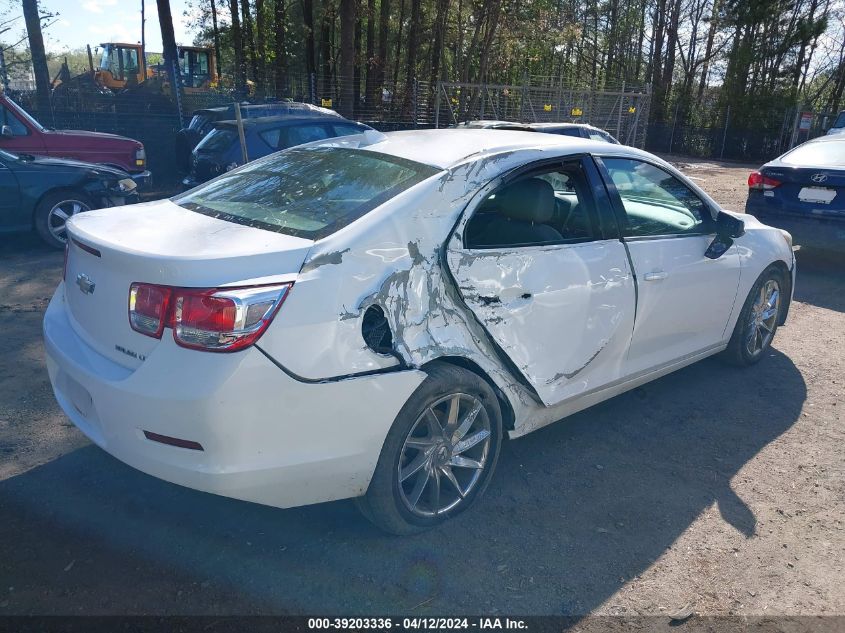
(725, 131)
(437, 105)
(312, 88)
(416, 97)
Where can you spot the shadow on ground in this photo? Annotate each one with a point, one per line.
(574, 511)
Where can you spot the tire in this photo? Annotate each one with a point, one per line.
(49, 222)
(761, 324)
(414, 448)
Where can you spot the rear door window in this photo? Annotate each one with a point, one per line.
(345, 129)
(293, 135)
(217, 141)
(306, 192)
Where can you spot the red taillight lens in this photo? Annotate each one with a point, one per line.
(148, 308)
(216, 320)
(224, 320)
(759, 181)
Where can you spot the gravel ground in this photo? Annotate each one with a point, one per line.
(713, 489)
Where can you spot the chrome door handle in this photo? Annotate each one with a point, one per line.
(656, 276)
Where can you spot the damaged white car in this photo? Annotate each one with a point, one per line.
(367, 317)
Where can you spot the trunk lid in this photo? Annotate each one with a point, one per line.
(816, 183)
(160, 243)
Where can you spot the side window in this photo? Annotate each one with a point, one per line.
(655, 202)
(7, 118)
(548, 206)
(299, 134)
(271, 137)
(569, 131)
(600, 136)
(344, 129)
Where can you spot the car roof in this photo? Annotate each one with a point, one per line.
(560, 124)
(267, 121)
(445, 148)
(280, 108)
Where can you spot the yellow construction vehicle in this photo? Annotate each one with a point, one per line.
(125, 66)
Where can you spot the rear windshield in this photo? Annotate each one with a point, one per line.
(821, 154)
(840, 121)
(306, 192)
(218, 140)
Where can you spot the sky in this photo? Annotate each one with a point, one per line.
(93, 22)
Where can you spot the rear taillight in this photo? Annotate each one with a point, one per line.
(759, 181)
(215, 320)
(148, 308)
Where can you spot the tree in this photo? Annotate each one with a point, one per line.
(281, 58)
(238, 46)
(347, 56)
(32, 18)
(168, 41)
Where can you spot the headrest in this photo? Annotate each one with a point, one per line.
(531, 200)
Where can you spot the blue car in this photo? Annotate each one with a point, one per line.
(220, 150)
(803, 192)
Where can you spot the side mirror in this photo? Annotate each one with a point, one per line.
(6, 131)
(727, 229)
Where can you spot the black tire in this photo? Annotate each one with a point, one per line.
(387, 501)
(739, 350)
(45, 218)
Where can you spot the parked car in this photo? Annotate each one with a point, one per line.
(581, 130)
(202, 121)
(803, 191)
(42, 193)
(220, 150)
(838, 126)
(22, 134)
(368, 316)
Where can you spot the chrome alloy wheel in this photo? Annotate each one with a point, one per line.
(763, 318)
(60, 214)
(444, 455)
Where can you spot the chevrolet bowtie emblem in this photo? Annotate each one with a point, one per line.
(85, 284)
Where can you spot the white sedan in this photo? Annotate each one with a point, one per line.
(367, 317)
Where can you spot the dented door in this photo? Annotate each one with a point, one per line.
(563, 314)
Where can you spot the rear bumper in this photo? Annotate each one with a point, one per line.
(265, 437)
(143, 179)
(807, 230)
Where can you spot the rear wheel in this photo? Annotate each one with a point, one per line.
(53, 212)
(439, 454)
(755, 329)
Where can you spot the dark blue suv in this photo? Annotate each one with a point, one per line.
(220, 150)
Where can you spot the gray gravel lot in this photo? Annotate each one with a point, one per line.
(714, 487)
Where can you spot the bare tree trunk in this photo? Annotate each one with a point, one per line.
(439, 35)
(260, 50)
(413, 49)
(249, 37)
(281, 67)
(397, 61)
(370, 64)
(326, 51)
(308, 20)
(238, 45)
(359, 37)
(39, 58)
(708, 48)
(384, 20)
(215, 32)
(347, 57)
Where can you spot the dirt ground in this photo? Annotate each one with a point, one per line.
(714, 489)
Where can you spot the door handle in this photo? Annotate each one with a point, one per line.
(656, 276)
